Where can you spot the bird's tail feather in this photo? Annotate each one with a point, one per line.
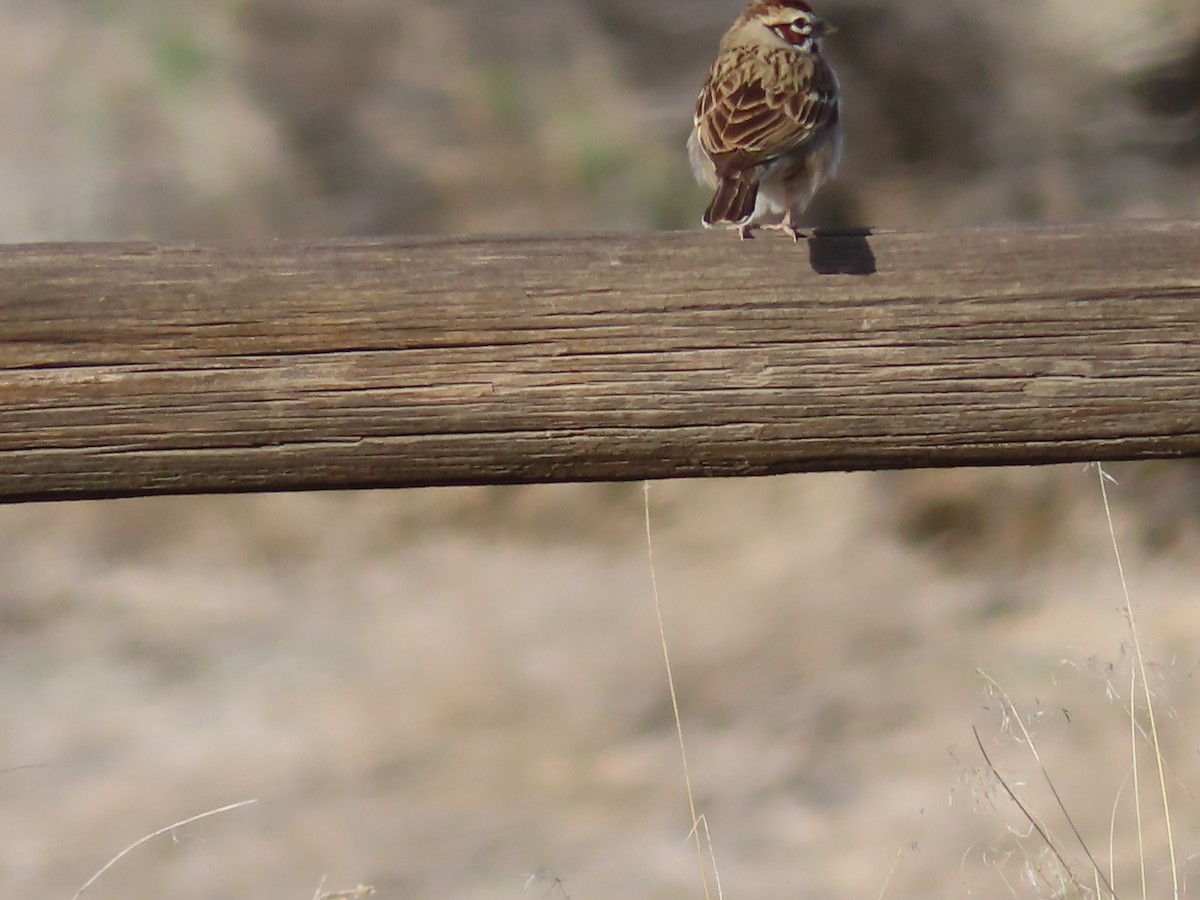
(733, 202)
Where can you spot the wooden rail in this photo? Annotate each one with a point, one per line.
(143, 368)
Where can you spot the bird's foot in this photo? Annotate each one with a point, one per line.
(789, 229)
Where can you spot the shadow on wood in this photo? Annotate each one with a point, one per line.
(845, 251)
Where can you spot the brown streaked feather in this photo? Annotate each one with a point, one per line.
(734, 200)
(742, 123)
(760, 7)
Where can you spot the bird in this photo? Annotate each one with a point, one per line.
(767, 130)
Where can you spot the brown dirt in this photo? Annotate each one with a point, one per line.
(439, 691)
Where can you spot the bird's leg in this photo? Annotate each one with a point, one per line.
(787, 227)
(744, 231)
(790, 227)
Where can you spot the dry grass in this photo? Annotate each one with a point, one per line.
(1047, 865)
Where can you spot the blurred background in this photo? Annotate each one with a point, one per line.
(445, 692)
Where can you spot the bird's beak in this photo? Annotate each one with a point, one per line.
(825, 28)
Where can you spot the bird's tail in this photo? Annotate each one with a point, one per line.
(734, 200)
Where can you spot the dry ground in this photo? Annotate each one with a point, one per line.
(439, 691)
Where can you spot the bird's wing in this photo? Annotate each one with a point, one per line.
(760, 103)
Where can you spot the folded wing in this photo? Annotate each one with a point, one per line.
(742, 125)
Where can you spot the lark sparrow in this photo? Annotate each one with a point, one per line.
(767, 130)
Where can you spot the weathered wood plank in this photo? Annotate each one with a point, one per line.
(129, 369)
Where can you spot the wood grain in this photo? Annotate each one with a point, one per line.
(132, 369)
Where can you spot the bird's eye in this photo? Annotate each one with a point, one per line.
(798, 32)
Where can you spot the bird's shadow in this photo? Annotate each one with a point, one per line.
(841, 251)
